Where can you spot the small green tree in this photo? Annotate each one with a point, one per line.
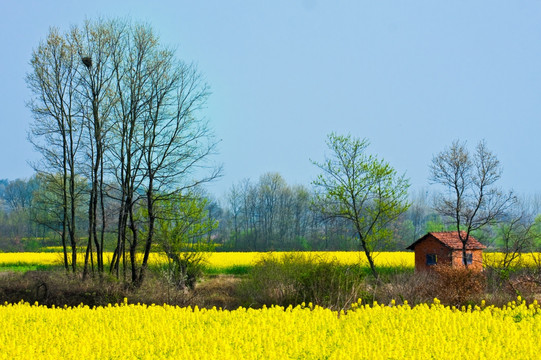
(362, 189)
(182, 223)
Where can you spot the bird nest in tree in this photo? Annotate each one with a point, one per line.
(87, 60)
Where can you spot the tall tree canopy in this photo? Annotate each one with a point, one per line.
(114, 106)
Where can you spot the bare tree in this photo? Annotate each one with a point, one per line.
(517, 237)
(251, 213)
(269, 215)
(111, 89)
(516, 234)
(56, 130)
(176, 139)
(270, 186)
(131, 87)
(234, 199)
(18, 193)
(145, 123)
(295, 223)
(96, 44)
(472, 200)
(417, 213)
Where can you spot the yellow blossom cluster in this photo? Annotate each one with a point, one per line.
(304, 332)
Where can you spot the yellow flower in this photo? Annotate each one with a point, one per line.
(170, 332)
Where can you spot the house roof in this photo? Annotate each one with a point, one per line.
(451, 240)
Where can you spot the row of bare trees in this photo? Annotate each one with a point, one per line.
(272, 215)
(116, 111)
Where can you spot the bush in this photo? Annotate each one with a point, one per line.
(185, 269)
(452, 286)
(296, 278)
(459, 286)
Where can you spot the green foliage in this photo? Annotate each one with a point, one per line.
(182, 222)
(437, 226)
(536, 232)
(362, 189)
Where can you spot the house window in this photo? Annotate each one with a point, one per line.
(468, 260)
(431, 259)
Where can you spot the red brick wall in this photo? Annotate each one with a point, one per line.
(477, 259)
(431, 246)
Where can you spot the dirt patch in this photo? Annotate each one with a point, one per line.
(220, 291)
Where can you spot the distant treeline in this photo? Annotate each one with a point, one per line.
(263, 215)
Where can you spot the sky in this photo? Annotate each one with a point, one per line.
(409, 76)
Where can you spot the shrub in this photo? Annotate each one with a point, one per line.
(295, 278)
(452, 286)
(458, 286)
(184, 269)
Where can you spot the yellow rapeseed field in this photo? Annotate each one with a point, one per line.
(229, 259)
(223, 259)
(365, 332)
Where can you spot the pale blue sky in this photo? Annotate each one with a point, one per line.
(410, 76)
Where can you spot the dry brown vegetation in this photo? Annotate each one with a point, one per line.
(282, 282)
(59, 288)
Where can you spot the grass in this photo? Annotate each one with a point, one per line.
(24, 267)
(18, 268)
(238, 270)
(209, 270)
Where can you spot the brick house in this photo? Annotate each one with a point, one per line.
(445, 248)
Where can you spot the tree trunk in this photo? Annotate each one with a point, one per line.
(368, 256)
(150, 236)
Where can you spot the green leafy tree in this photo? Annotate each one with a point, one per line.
(181, 226)
(536, 228)
(361, 188)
